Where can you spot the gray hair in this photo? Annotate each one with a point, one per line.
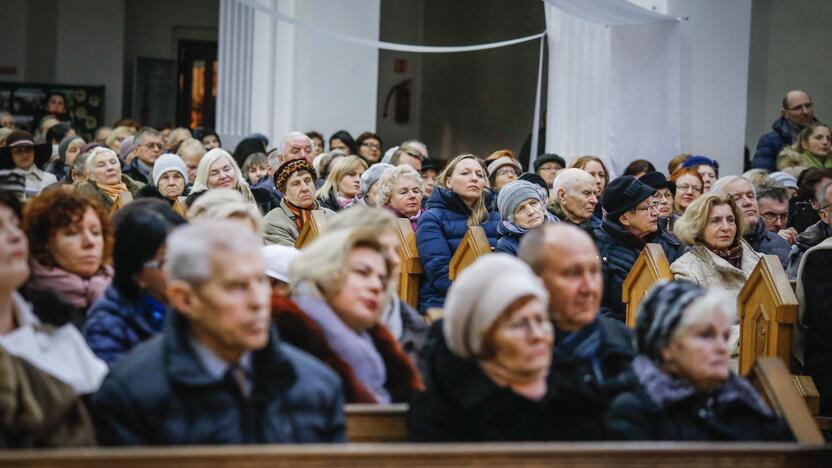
(79, 166)
(719, 186)
(773, 192)
(820, 193)
(389, 178)
(189, 251)
(567, 179)
(94, 153)
(293, 136)
(144, 132)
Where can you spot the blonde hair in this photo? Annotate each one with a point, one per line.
(191, 146)
(690, 226)
(223, 203)
(178, 135)
(390, 176)
(368, 217)
(338, 171)
(323, 263)
(117, 132)
(204, 168)
(479, 212)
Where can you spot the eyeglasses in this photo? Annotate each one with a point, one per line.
(152, 145)
(371, 145)
(646, 209)
(507, 171)
(771, 217)
(667, 196)
(527, 325)
(687, 187)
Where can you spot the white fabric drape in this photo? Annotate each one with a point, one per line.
(613, 90)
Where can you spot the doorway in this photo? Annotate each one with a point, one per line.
(196, 100)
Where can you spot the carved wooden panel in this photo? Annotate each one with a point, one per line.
(411, 266)
(650, 267)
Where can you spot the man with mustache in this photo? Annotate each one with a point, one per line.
(218, 374)
(757, 235)
(592, 353)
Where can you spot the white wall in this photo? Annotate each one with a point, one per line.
(714, 85)
(789, 50)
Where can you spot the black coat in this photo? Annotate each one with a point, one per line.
(159, 394)
(619, 250)
(768, 243)
(461, 404)
(662, 408)
(817, 318)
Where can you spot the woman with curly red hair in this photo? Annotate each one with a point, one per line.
(68, 244)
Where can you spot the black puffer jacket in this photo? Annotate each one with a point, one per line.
(660, 407)
(619, 250)
(768, 243)
(814, 285)
(807, 239)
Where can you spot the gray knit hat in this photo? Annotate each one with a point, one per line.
(169, 162)
(659, 314)
(480, 294)
(516, 192)
(371, 176)
(64, 146)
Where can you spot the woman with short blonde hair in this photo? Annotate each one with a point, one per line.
(343, 184)
(400, 190)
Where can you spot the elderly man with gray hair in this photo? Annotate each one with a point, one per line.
(296, 145)
(149, 146)
(574, 197)
(816, 233)
(757, 234)
(218, 374)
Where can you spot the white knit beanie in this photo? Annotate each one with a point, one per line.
(480, 294)
(169, 162)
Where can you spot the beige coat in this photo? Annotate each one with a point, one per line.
(279, 225)
(703, 267)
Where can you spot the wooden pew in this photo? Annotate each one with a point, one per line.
(556, 455)
(311, 229)
(180, 207)
(650, 267)
(411, 266)
(376, 423)
(474, 245)
(774, 381)
(767, 307)
(122, 199)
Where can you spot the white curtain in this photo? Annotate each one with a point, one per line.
(614, 71)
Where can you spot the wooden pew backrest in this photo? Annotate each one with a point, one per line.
(376, 423)
(411, 266)
(311, 229)
(773, 380)
(650, 267)
(767, 309)
(474, 245)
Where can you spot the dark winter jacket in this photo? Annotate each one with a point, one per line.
(160, 394)
(509, 235)
(151, 191)
(660, 407)
(768, 243)
(802, 214)
(619, 250)
(301, 331)
(439, 233)
(807, 239)
(134, 171)
(115, 325)
(329, 201)
(461, 404)
(591, 366)
(90, 188)
(587, 226)
(814, 286)
(770, 144)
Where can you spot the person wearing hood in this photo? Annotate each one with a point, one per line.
(796, 112)
(23, 154)
(459, 200)
(68, 150)
(684, 389)
(522, 206)
(630, 223)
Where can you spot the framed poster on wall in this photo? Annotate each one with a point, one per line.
(83, 105)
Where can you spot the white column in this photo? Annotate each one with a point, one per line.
(235, 57)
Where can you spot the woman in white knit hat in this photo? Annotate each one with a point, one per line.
(487, 376)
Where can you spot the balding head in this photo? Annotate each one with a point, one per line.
(797, 108)
(576, 192)
(296, 145)
(566, 258)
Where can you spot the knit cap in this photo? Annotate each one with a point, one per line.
(516, 192)
(168, 162)
(659, 314)
(496, 164)
(64, 146)
(371, 176)
(699, 161)
(783, 179)
(277, 259)
(285, 171)
(480, 295)
(547, 158)
(623, 194)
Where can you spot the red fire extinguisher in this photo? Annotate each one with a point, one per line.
(401, 105)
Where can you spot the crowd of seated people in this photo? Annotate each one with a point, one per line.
(154, 289)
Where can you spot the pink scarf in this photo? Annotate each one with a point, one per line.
(78, 292)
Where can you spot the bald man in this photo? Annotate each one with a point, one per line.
(796, 112)
(592, 352)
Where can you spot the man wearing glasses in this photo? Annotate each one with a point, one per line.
(796, 112)
(816, 233)
(630, 223)
(774, 209)
(149, 146)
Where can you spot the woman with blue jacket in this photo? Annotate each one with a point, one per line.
(134, 306)
(457, 202)
(522, 206)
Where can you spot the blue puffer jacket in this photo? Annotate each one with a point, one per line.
(619, 250)
(508, 237)
(770, 145)
(438, 234)
(768, 243)
(116, 325)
